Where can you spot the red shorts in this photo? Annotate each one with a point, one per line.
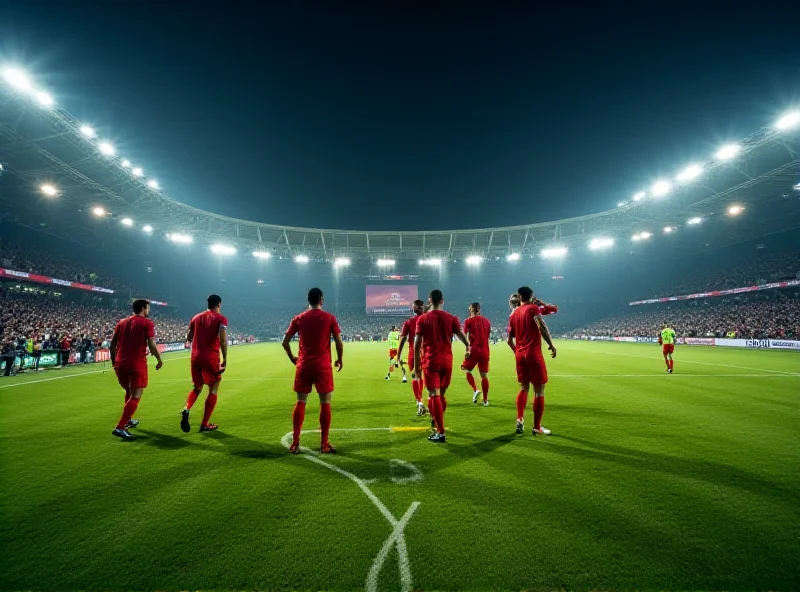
(319, 377)
(437, 373)
(205, 372)
(411, 362)
(668, 348)
(392, 354)
(532, 369)
(479, 359)
(132, 378)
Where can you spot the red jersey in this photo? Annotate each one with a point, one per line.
(206, 327)
(548, 309)
(525, 329)
(437, 328)
(132, 335)
(316, 327)
(409, 330)
(478, 328)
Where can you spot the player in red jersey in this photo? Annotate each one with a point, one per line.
(527, 328)
(132, 337)
(407, 333)
(313, 362)
(477, 327)
(208, 334)
(437, 328)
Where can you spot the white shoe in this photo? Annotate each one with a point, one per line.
(387, 377)
(486, 403)
(405, 379)
(475, 397)
(543, 431)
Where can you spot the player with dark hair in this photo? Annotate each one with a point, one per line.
(437, 328)
(407, 334)
(527, 328)
(132, 338)
(208, 334)
(666, 340)
(394, 339)
(313, 366)
(478, 328)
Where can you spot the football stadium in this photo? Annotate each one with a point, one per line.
(599, 401)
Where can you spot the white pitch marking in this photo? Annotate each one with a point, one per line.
(397, 536)
(416, 474)
(682, 361)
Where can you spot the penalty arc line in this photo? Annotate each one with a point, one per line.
(396, 538)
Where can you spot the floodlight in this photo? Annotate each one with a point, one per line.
(385, 262)
(797, 187)
(601, 243)
(301, 259)
(422, 261)
(87, 131)
(554, 252)
(668, 229)
(17, 79)
(474, 260)
(639, 196)
(137, 171)
(434, 262)
(621, 204)
(147, 228)
(512, 257)
(262, 254)
(49, 190)
(636, 238)
(735, 210)
(126, 163)
(660, 188)
(645, 235)
(694, 221)
(126, 222)
(45, 100)
(223, 250)
(728, 151)
(788, 121)
(98, 211)
(152, 184)
(690, 172)
(341, 262)
(181, 239)
(106, 148)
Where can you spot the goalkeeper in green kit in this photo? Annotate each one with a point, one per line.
(667, 341)
(394, 342)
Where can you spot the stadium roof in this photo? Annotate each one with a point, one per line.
(75, 175)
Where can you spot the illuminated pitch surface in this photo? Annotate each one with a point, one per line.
(649, 481)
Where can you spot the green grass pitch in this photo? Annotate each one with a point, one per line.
(649, 481)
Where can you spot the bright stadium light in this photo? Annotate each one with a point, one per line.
(788, 121)
(621, 204)
(474, 260)
(341, 262)
(152, 184)
(660, 188)
(87, 131)
(690, 172)
(554, 252)
(512, 257)
(137, 171)
(385, 262)
(797, 187)
(126, 222)
(17, 78)
(639, 196)
(597, 244)
(695, 221)
(98, 211)
(735, 210)
(435, 262)
(223, 249)
(728, 151)
(44, 99)
(262, 254)
(147, 228)
(49, 190)
(126, 163)
(668, 229)
(106, 148)
(301, 259)
(180, 239)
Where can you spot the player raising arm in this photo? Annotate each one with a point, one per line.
(313, 366)
(407, 333)
(208, 334)
(526, 330)
(437, 328)
(129, 360)
(667, 341)
(477, 327)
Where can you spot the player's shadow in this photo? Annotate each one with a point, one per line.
(232, 445)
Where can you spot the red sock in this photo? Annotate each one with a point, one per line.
(127, 395)
(191, 398)
(127, 412)
(430, 409)
(297, 420)
(538, 411)
(485, 389)
(522, 402)
(211, 402)
(671, 364)
(443, 402)
(471, 381)
(325, 421)
(415, 384)
(438, 413)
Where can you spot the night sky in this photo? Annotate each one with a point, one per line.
(403, 116)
